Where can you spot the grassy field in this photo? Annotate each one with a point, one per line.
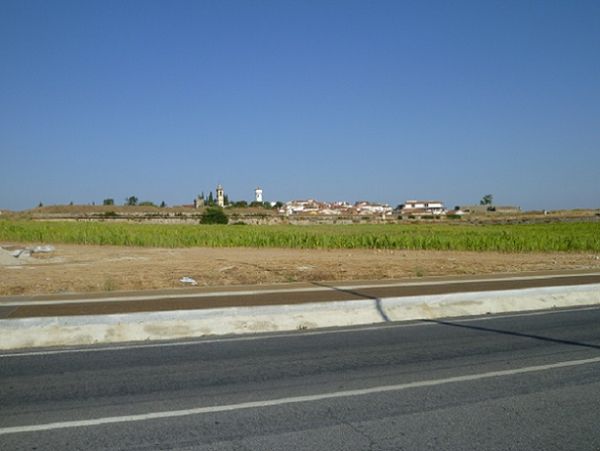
(580, 237)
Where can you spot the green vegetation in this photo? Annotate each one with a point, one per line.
(488, 199)
(583, 237)
(214, 215)
(131, 201)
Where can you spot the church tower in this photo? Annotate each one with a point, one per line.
(258, 194)
(220, 196)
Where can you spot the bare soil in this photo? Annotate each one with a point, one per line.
(76, 268)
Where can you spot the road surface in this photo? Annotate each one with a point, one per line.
(520, 382)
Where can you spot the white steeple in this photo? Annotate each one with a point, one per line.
(220, 196)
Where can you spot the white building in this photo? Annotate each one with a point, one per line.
(370, 208)
(301, 207)
(258, 194)
(423, 207)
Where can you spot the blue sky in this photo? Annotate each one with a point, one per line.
(335, 100)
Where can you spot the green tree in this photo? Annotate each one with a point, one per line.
(131, 201)
(108, 202)
(214, 215)
(211, 199)
(488, 199)
(162, 204)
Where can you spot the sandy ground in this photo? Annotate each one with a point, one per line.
(75, 268)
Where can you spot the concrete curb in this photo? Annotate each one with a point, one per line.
(84, 330)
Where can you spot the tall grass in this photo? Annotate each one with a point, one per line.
(582, 236)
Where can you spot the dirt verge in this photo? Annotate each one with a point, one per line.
(75, 268)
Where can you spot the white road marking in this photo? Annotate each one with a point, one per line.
(283, 290)
(292, 399)
(266, 336)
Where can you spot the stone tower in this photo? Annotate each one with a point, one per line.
(258, 194)
(220, 196)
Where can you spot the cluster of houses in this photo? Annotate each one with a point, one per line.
(315, 207)
(411, 208)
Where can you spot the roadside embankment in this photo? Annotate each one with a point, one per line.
(297, 308)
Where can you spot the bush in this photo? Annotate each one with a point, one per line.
(214, 215)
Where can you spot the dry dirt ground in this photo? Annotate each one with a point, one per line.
(76, 268)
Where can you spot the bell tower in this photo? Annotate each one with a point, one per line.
(220, 196)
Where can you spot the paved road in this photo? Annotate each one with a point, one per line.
(522, 382)
(98, 304)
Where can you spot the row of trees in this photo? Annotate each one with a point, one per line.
(209, 201)
(133, 201)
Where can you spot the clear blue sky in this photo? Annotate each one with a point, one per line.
(336, 100)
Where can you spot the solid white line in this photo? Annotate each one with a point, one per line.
(265, 336)
(324, 288)
(291, 400)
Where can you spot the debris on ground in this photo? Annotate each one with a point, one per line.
(305, 268)
(226, 268)
(13, 257)
(188, 280)
(19, 253)
(27, 251)
(43, 249)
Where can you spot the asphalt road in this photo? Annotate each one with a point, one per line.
(514, 382)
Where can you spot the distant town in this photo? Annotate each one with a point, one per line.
(217, 207)
(410, 208)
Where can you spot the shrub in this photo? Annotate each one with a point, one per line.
(214, 215)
